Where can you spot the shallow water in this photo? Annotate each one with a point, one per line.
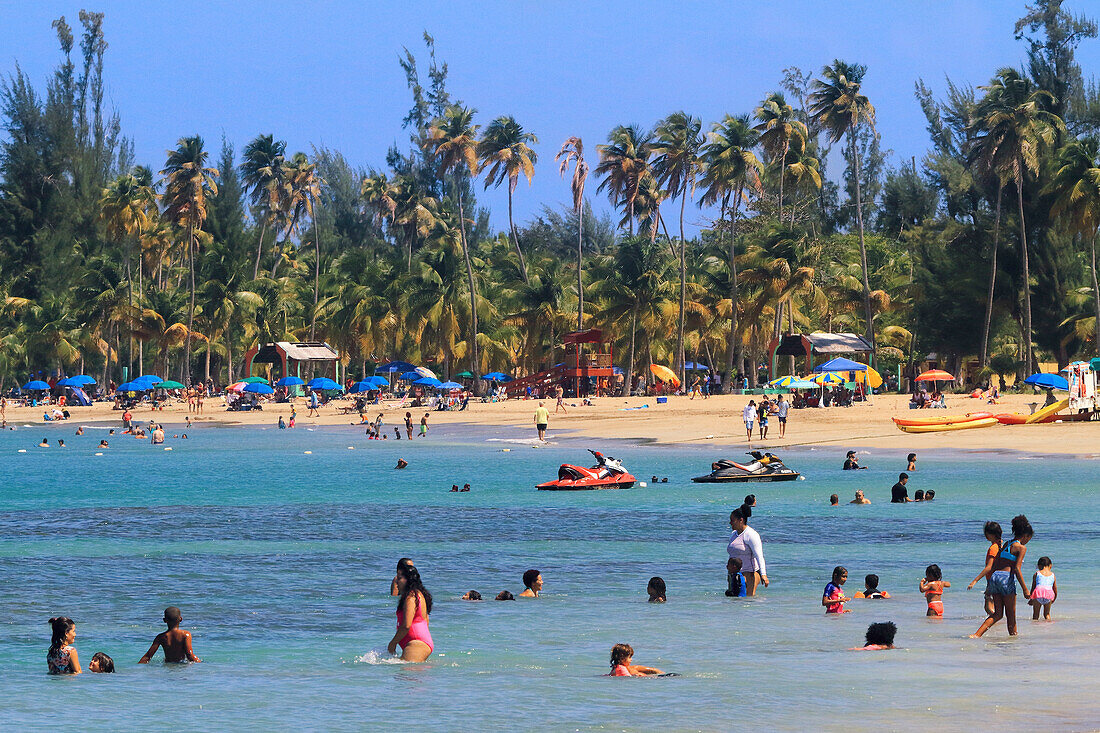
(281, 562)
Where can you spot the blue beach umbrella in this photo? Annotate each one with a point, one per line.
(396, 366)
(363, 386)
(129, 387)
(258, 388)
(290, 382)
(323, 383)
(840, 364)
(36, 385)
(496, 377)
(150, 378)
(67, 382)
(410, 376)
(428, 382)
(78, 381)
(801, 384)
(1052, 381)
(450, 385)
(378, 381)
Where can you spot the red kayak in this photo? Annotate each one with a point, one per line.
(608, 473)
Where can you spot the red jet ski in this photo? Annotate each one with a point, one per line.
(608, 473)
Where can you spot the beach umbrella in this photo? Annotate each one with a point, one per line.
(396, 366)
(258, 388)
(132, 387)
(254, 380)
(1069, 367)
(235, 387)
(323, 383)
(692, 366)
(465, 375)
(363, 386)
(170, 385)
(427, 382)
(871, 377)
(36, 385)
(665, 374)
(67, 382)
(840, 364)
(410, 376)
(151, 378)
(496, 377)
(784, 381)
(290, 382)
(78, 381)
(828, 378)
(450, 385)
(1050, 381)
(934, 375)
(378, 381)
(801, 384)
(425, 372)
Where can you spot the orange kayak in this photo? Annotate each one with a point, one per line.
(982, 422)
(943, 420)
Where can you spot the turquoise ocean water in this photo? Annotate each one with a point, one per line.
(281, 562)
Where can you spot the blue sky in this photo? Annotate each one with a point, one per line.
(327, 72)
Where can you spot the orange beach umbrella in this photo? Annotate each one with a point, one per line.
(665, 374)
(935, 375)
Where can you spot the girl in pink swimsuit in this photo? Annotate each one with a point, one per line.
(412, 617)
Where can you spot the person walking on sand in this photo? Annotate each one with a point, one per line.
(542, 420)
(781, 409)
(313, 406)
(561, 400)
(749, 416)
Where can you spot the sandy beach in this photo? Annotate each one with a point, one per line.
(715, 420)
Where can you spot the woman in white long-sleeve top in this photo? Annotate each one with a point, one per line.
(745, 546)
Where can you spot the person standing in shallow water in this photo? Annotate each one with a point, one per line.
(413, 608)
(745, 546)
(542, 421)
(1005, 569)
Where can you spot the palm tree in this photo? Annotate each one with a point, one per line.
(1076, 188)
(624, 163)
(128, 209)
(803, 171)
(839, 107)
(572, 150)
(1015, 125)
(189, 182)
(304, 186)
(729, 165)
(678, 139)
(505, 152)
(777, 126)
(263, 175)
(453, 141)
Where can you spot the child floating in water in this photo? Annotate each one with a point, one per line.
(101, 663)
(932, 585)
(871, 590)
(622, 658)
(1044, 589)
(833, 598)
(175, 641)
(62, 657)
(879, 636)
(656, 590)
(471, 595)
(735, 581)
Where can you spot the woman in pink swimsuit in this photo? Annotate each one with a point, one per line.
(412, 617)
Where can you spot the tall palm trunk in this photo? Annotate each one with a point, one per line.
(206, 365)
(992, 279)
(316, 271)
(863, 250)
(630, 365)
(259, 250)
(580, 255)
(1018, 170)
(141, 339)
(186, 368)
(782, 170)
(733, 349)
(683, 286)
(1095, 291)
(515, 239)
(474, 361)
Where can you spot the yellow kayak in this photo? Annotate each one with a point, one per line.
(984, 422)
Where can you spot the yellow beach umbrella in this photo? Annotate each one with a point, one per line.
(827, 378)
(870, 377)
(665, 374)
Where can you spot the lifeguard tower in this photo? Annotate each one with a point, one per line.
(583, 362)
(1081, 376)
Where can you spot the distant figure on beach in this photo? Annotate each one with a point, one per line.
(656, 590)
(860, 498)
(912, 461)
(745, 545)
(763, 411)
(158, 436)
(404, 562)
(834, 500)
(103, 444)
(424, 426)
(833, 598)
(878, 637)
(413, 608)
(898, 493)
(542, 421)
(45, 443)
(176, 642)
(60, 442)
(851, 463)
(293, 417)
(932, 585)
(401, 463)
(781, 409)
(1005, 569)
(101, 664)
(871, 590)
(127, 420)
(622, 663)
(396, 432)
(560, 394)
(313, 405)
(505, 595)
(748, 415)
(282, 423)
(993, 533)
(409, 425)
(80, 430)
(62, 657)
(471, 595)
(532, 582)
(1044, 589)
